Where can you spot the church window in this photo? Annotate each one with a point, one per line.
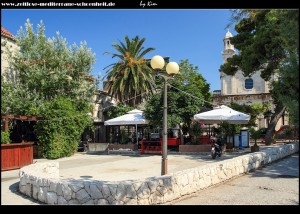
(228, 43)
(249, 83)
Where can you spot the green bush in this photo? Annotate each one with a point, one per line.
(255, 134)
(5, 137)
(64, 122)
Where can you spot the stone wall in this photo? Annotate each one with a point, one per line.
(41, 181)
(97, 147)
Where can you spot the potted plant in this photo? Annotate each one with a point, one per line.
(196, 130)
(5, 137)
(229, 130)
(274, 139)
(255, 134)
(288, 133)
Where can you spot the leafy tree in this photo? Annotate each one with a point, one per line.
(229, 129)
(262, 46)
(46, 69)
(196, 131)
(255, 134)
(253, 111)
(289, 69)
(288, 86)
(118, 110)
(52, 81)
(181, 106)
(130, 79)
(60, 131)
(5, 137)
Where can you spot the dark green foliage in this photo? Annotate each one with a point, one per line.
(259, 43)
(117, 111)
(5, 137)
(229, 129)
(268, 40)
(255, 134)
(196, 128)
(253, 111)
(181, 106)
(46, 68)
(65, 121)
(53, 82)
(130, 79)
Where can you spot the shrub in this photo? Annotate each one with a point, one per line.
(5, 137)
(254, 134)
(64, 122)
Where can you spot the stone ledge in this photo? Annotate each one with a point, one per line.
(41, 181)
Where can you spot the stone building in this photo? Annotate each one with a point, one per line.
(244, 90)
(8, 45)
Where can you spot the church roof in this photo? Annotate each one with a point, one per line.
(6, 33)
(228, 34)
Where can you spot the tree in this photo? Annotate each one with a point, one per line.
(130, 79)
(253, 110)
(261, 47)
(118, 110)
(255, 134)
(64, 122)
(288, 86)
(181, 105)
(46, 69)
(53, 81)
(289, 69)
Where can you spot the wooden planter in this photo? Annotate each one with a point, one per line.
(16, 155)
(195, 148)
(133, 147)
(254, 148)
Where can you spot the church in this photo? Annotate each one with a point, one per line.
(244, 90)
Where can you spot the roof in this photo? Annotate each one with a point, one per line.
(6, 33)
(228, 34)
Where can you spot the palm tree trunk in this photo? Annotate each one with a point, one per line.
(279, 110)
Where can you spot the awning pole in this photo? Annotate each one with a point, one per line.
(137, 139)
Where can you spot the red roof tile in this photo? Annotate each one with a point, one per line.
(6, 32)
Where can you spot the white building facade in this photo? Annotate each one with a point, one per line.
(8, 45)
(243, 90)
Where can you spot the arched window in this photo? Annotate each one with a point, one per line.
(248, 83)
(228, 43)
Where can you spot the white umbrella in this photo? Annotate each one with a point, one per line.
(223, 113)
(133, 117)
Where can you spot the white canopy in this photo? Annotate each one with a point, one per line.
(223, 113)
(134, 117)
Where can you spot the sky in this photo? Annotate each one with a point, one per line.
(193, 34)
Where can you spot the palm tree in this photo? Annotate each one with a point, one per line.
(130, 79)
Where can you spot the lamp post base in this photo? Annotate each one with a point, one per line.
(164, 166)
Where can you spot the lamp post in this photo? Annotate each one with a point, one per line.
(157, 63)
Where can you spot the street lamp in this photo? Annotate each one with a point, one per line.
(157, 63)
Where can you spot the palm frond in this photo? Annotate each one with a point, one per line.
(145, 52)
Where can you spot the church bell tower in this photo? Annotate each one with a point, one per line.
(228, 47)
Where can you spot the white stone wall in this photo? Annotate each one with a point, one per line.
(234, 85)
(40, 181)
(11, 46)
